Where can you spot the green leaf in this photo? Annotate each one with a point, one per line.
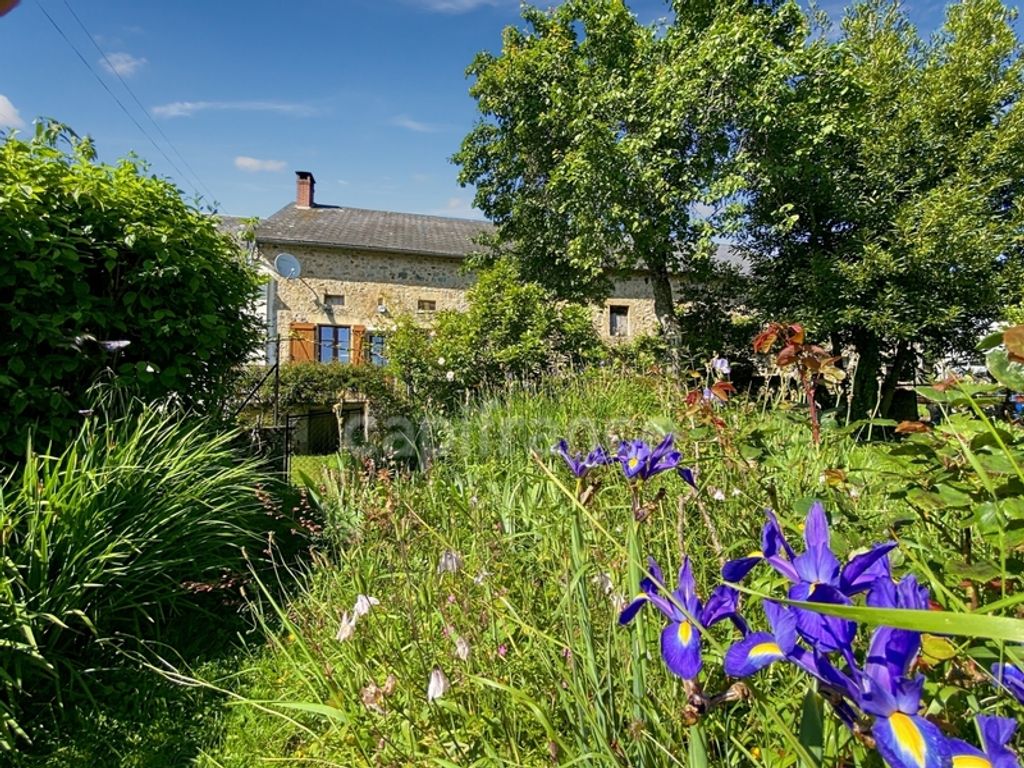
(980, 571)
(937, 648)
(933, 622)
(1006, 372)
(991, 341)
(697, 755)
(812, 728)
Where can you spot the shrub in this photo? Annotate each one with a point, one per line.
(511, 330)
(318, 384)
(113, 536)
(98, 253)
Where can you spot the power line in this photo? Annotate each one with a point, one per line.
(100, 80)
(138, 103)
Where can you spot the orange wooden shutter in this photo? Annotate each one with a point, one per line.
(358, 332)
(303, 343)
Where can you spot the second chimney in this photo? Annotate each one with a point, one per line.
(304, 183)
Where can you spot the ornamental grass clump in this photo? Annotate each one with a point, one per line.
(114, 537)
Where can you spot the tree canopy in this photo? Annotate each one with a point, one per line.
(884, 206)
(873, 177)
(108, 269)
(600, 137)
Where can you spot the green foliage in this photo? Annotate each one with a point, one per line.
(511, 330)
(716, 319)
(98, 253)
(965, 479)
(535, 598)
(885, 209)
(598, 135)
(115, 536)
(540, 581)
(319, 384)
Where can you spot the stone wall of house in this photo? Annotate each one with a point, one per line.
(635, 294)
(400, 284)
(369, 282)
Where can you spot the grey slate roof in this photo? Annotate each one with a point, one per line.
(362, 229)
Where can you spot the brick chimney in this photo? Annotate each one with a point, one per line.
(304, 183)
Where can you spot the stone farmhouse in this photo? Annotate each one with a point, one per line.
(359, 269)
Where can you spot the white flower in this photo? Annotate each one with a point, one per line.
(438, 685)
(450, 562)
(363, 606)
(481, 577)
(450, 376)
(347, 627)
(441, 361)
(604, 583)
(150, 368)
(461, 649)
(717, 495)
(736, 492)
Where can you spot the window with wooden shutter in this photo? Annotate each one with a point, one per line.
(302, 343)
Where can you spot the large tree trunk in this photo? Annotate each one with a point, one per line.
(863, 393)
(873, 389)
(899, 404)
(665, 311)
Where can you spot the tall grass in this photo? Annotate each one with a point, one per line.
(550, 677)
(111, 538)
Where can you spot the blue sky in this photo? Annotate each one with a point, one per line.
(369, 95)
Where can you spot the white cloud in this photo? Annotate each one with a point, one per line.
(123, 64)
(189, 108)
(404, 121)
(9, 117)
(254, 165)
(457, 6)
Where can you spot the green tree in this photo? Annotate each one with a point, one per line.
(885, 205)
(96, 254)
(599, 136)
(511, 330)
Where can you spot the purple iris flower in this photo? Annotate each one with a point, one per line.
(639, 460)
(996, 733)
(817, 576)
(759, 649)
(687, 616)
(904, 738)
(721, 365)
(1011, 678)
(689, 475)
(578, 464)
(773, 544)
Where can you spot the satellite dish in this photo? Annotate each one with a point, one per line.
(287, 266)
